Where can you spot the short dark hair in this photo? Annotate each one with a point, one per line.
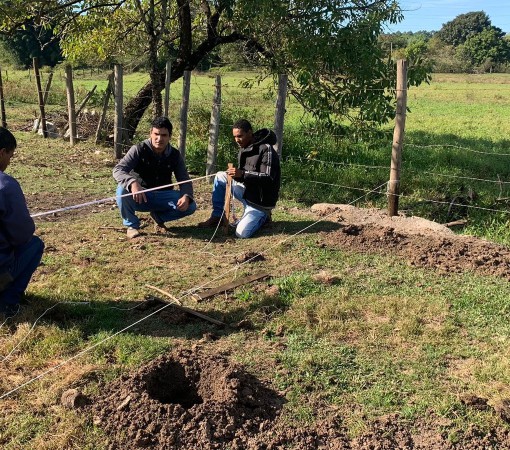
(7, 139)
(162, 122)
(242, 124)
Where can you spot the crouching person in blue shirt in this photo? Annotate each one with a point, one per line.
(150, 164)
(20, 250)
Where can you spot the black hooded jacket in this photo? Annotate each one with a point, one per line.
(261, 170)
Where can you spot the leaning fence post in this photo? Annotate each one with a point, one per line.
(398, 138)
(167, 86)
(186, 81)
(45, 99)
(106, 100)
(118, 131)
(214, 130)
(70, 105)
(280, 111)
(2, 102)
(40, 97)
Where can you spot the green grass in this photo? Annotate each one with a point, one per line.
(385, 338)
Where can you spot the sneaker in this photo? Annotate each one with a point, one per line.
(159, 226)
(213, 222)
(132, 233)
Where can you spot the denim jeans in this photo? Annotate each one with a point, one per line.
(26, 259)
(252, 218)
(161, 203)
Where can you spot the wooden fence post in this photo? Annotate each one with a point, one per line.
(40, 96)
(82, 104)
(167, 86)
(71, 111)
(106, 100)
(280, 111)
(186, 82)
(214, 130)
(398, 138)
(118, 130)
(45, 99)
(2, 102)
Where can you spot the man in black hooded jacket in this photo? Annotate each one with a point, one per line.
(256, 180)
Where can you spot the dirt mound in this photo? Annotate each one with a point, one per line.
(185, 399)
(421, 242)
(192, 400)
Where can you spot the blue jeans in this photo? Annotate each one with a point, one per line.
(161, 203)
(26, 259)
(252, 218)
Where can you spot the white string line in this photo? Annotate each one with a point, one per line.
(49, 309)
(29, 331)
(416, 198)
(112, 199)
(91, 347)
(451, 203)
(301, 159)
(458, 148)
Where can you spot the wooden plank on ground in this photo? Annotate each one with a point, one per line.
(177, 304)
(232, 285)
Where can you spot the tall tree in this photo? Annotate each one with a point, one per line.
(329, 47)
(457, 31)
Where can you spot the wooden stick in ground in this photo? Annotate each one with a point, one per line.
(184, 308)
(228, 199)
(161, 291)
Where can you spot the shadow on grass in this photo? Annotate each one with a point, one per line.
(276, 229)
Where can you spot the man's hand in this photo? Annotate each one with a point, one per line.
(137, 197)
(183, 203)
(234, 172)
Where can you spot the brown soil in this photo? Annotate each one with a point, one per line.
(189, 399)
(420, 242)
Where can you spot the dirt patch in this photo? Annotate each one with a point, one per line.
(195, 399)
(186, 399)
(421, 242)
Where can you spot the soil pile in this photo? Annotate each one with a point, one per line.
(421, 242)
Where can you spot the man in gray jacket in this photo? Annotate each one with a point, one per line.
(147, 165)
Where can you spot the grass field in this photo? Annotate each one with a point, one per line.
(385, 339)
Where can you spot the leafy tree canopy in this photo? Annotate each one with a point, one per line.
(32, 41)
(458, 30)
(329, 48)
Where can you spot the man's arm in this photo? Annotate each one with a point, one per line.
(122, 171)
(17, 225)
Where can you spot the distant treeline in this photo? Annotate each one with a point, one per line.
(467, 44)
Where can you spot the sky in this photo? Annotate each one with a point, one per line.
(430, 15)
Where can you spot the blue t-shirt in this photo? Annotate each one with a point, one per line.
(16, 225)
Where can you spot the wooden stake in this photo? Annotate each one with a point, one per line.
(214, 131)
(398, 138)
(232, 285)
(2, 103)
(161, 291)
(106, 100)
(184, 308)
(228, 199)
(40, 97)
(70, 105)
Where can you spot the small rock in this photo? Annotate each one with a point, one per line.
(73, 399)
